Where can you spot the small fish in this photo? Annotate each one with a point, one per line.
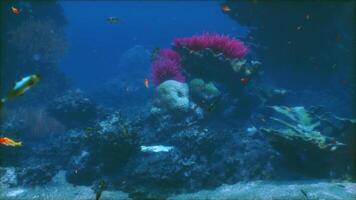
(225, 8)
(244, 80)
(15, 10)
(146, 82)
(299, 28)
(113, 20)
(9, 142)
(307, 16)
(21, 87)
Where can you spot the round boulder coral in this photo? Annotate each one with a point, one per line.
(173, 96)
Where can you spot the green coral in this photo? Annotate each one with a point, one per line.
(203, 91)
(298, 126)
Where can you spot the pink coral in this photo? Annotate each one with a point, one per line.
(166, 69)
(170, 54)
(230, 47)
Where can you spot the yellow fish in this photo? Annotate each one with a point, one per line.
(21, 87)
(9, 142)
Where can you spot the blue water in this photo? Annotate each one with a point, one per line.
(96, 45)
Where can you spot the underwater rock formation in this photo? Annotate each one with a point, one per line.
(310, 142)
(172, 96)
(106, 148)
(234, 74)
(73, 109)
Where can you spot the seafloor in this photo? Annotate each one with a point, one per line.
(59, 189)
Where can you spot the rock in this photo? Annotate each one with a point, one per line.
(267, 190)
(73, 109)
(7, 177)
(107, 147)
(37, 175)
(172, 96)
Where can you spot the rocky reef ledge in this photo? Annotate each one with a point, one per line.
(268, 190)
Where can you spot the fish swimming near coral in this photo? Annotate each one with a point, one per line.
(113, 20)
(21, 87)
(15, 10)
(146, 83)
(9, 142)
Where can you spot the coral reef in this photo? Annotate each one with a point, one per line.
(169, 54)
(73, 109)
(233, 74)
(309, 141)
(107, 148)
(172, 96)
(230, 47)
(164, 69)
(203, 93)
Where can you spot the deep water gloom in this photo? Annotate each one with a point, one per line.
(177, 100)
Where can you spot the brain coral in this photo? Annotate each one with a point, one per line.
(173, 96)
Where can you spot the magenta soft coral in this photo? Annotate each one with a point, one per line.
(170, 54)
(230, 47)
(166, 69)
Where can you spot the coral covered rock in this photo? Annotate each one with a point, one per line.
(308, 140)
(73, 109)
(172, 96)
(230, 47)
(203, 91)
(234, 74)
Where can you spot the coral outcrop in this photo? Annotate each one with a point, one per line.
(73, 109)
(308, 140)
(172, 96)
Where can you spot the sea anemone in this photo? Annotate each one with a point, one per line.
(166, 69)
(230, 47)
(169, 54)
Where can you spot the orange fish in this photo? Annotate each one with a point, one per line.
(225, 8)
(9, 142)
(15, 10)
(146, 82)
